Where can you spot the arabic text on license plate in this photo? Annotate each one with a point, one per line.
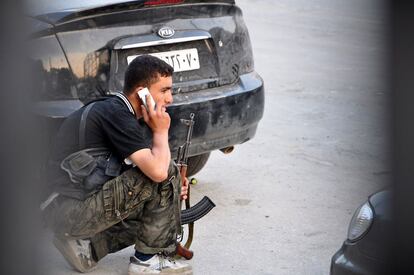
(181, 60)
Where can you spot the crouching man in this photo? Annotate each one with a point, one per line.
(113, 183)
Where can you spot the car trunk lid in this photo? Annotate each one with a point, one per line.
(209, 47)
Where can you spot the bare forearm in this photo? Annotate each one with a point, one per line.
(154, 162)
(161, 151)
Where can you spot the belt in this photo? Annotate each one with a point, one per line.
(49, 200)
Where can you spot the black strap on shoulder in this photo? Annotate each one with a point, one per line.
(82, 125)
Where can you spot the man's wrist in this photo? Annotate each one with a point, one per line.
(160, 132)
(160, 138)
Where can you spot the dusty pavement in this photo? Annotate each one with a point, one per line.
(285, 198)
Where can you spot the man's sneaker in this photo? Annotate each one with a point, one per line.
(158, 264)
(78, 253)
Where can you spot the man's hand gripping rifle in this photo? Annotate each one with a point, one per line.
(190, 214)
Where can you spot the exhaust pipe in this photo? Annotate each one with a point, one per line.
(227, 150)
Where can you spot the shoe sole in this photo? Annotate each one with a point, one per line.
(69, 256)
(182, 272)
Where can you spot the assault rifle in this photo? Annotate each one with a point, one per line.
(190, 214)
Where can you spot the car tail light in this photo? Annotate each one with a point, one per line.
(162, 2)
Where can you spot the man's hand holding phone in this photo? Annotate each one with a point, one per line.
(154, 114)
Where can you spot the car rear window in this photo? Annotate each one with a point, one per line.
(41, 7)
(37, 7)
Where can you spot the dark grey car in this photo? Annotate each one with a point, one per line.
(82, 48)
(366, 251)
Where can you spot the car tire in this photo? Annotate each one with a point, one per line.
(196, 163)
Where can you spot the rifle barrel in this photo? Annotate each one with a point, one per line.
(189, 135)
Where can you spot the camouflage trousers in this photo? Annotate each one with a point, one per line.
(129, 209)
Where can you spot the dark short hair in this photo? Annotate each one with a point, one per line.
(145, 70)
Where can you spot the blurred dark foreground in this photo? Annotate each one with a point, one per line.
(19, 149)
(403, 135)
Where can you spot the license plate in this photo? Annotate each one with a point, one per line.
(181, 60)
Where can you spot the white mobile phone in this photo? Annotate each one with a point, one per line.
(142, 95)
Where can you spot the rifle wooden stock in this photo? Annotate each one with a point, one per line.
(184, 252)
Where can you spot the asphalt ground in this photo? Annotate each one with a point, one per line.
(285, 198)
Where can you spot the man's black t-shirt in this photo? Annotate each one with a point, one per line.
(111, 124)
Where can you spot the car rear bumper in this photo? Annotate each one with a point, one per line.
(224, 116)
(349, 260)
